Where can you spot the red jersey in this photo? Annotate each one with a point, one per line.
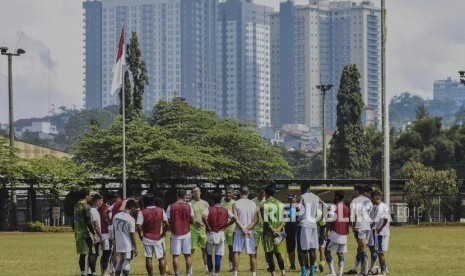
(217, 218)
(115, 209)
(103, 219)
(153, 218)
(180, 218)
(341, 224)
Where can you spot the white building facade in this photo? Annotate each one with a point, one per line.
(311, 44)
(178, 42)
(244, 60)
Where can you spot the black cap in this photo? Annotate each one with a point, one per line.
(290, 195)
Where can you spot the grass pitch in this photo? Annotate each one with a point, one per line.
(412, 251)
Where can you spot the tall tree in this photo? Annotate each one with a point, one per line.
(421, 112)
(9, 171)
(128, 104)
(424, 183)
(138, 71)
(350, 148)
(402, 107)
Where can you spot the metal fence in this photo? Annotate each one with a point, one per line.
(35, 205)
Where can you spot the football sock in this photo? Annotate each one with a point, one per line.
(210, 262)
(374, 257)
(341, 265)
(303, 270)
(312, 270)
(364, 257)
(254, 273)
(234, 273)
(357, 262)
(218, 259)
(331, 267)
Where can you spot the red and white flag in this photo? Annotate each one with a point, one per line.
(118, 67)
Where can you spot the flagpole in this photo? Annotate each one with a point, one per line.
(123, 105)
(384, 110)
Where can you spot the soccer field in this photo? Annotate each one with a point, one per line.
(413, 251)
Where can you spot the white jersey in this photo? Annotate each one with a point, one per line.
(308, 206)
(246, 210)
(123, 225)
(373, 212)
(360, 210)
(95, 216)
(382, 213)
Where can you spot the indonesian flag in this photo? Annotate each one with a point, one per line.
(118, 67)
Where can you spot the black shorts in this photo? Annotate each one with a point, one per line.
(322, 236)
(291, 229)
(97, 249)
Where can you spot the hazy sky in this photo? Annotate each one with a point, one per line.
(426, 41)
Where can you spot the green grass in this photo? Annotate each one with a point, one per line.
(413, 251)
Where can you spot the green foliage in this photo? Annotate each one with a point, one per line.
(35, 226)
(181, 142)
(137, 76)
(427, 142)
(424, 183)
(375, 139)
(350, 148)
(38, 226)
(82, 121)
(303, 165)
(421, 112)
(55, 175)
(403, 107)
(9, 162)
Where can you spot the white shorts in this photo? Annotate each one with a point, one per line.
(125, 255)
(382, 244)
(110, 232)
(362, 235)
(307, 238)
(336, 247)
(157, 250)
(371, 238)
(106, 243)
(241, 242)
(215, 243)
(181, 246)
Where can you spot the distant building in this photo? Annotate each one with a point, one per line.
(311, 44)
(244, 61)
(449, 89)
(42, 127)
(178, 44)
(93, 54)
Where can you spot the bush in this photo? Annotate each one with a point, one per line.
(38, 226)
(59, 229)
(35, 226)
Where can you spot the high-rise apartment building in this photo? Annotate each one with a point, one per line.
(311, 44)
(178, 44)
(93, 54)
(244, 61)
(449, 90)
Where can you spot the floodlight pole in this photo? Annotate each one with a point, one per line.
(324, 88)
(384, 109)
(4, 51)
